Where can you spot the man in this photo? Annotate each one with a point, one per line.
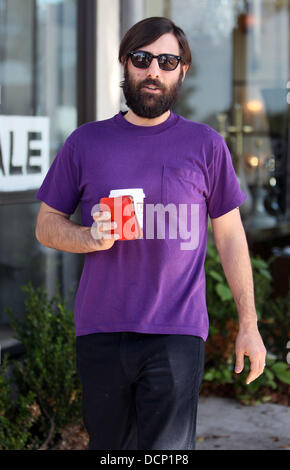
(140, 312)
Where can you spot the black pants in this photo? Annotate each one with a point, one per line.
(140, 390)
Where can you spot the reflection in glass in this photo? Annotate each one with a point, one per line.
(241, 57)
(38, 78)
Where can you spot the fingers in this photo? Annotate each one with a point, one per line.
(101, 215)
(102, 226)
(239, 362)
(257, 368)
(254, 371)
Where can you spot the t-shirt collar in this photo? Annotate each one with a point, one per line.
(145, 130)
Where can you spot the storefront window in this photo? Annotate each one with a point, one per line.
(38, 110)
(238, 84)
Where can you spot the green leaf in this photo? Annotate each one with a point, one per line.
(266, 274)
(282, 371)
(269, 374)
(266, 398)
(209, 375)
(213, 330)
(224, 292)
(259, 263)
(215, 275)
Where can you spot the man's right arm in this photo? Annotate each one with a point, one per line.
(55, 230)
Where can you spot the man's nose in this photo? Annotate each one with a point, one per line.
(153, 68)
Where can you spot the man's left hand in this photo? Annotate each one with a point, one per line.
(249, 343)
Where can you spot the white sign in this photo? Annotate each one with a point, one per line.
(24, 152)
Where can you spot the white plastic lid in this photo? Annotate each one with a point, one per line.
(137, 193)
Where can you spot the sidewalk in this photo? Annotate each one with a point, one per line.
(225, 424)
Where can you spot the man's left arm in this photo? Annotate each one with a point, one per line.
(232, 247)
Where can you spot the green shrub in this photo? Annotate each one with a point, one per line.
(273, 320)
(275, 324)
(46, 377)
(16, 415)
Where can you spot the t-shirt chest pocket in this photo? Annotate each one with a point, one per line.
(182, 185)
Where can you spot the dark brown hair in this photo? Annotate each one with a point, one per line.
(147, 31)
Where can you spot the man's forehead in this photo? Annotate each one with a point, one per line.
(165, 44)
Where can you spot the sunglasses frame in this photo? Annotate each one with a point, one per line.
(152, 56)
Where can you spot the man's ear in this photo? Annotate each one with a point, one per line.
(184, 70)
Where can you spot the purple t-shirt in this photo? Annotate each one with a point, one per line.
(148, 285)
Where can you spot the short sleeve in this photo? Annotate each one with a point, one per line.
(60, 187)
(224, 188)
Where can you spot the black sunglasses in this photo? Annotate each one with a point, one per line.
(142, 60)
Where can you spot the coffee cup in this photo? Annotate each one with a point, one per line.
(138, 201)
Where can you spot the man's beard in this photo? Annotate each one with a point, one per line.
(146, 104)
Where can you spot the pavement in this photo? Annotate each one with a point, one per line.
(225, 424)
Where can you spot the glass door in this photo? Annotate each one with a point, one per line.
(38, 109)
(261, 75)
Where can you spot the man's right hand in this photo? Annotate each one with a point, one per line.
(100, 230)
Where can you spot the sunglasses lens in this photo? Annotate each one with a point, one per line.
(140, 60)
(167, 62)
